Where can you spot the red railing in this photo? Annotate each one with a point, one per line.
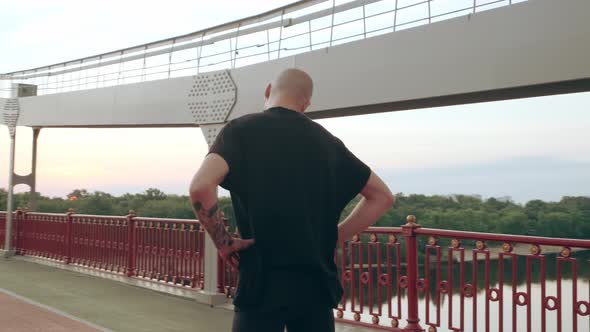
(170, 250)
(41, 234)
(404, 278)
(98, 242)
(414, 279)
(2, 229)
(166, 250)
(370, 267)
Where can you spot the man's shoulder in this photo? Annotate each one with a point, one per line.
(247, 119)
(322, 132)
(256, 120)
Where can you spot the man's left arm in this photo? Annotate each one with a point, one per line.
(203, 194)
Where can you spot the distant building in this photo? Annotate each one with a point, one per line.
(504, 199)
(455, 197)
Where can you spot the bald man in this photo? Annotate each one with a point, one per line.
(289, 180)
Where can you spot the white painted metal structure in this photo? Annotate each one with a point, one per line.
(359, 64)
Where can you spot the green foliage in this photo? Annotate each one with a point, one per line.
(570, 217)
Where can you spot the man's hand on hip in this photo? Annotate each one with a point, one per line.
(231, 253)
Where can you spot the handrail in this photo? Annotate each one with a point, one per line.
(298, 5)
(242, 32)
(539, 240)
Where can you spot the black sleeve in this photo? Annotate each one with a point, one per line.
(353, 174)
(227, 146)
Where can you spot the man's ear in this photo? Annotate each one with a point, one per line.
(267, 91)
(306, 105)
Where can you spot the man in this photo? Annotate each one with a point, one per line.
(289, 180)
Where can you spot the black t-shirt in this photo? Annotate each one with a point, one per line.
(289, 180)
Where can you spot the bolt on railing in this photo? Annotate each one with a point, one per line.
(131, 245)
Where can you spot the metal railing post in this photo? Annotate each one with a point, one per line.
(69, 235)
(332, 24)
(364, 22)
(395, 16)
(131, 243)
(17, 222)
(281, 34)
(408, 231)
(10, 194)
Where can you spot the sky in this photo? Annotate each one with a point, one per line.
(534, 148)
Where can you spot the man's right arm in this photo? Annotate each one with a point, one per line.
(377, 199)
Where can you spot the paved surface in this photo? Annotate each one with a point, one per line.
(109, 304)
(18, 315)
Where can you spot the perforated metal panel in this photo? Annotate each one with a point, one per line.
(212, 97)
(211, 131)
(10, 111)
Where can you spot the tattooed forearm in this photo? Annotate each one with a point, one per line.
(212, 221)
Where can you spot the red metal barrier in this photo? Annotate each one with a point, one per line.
(98, 242)
(464, 281)
(2, 229)
(41, 234)
(167, 250)
(396, 278)
(370, 267)
(521, 286)
(3, 217)
(170, 250)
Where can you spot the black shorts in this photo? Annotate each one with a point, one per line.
(300, 320)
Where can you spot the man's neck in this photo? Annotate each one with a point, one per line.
(287, 105)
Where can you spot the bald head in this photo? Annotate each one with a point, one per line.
(292, 89)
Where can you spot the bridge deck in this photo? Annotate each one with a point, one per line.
(106, 303)
(20, 315)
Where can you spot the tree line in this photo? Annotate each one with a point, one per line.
(569, 217)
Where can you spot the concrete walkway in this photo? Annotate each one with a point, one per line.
(110, 304)
(21, 315)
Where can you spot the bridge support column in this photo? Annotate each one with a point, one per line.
(8, 251)
(210, 294)
(33, 175)
(10, 112)
(14, 179)
(31, 178)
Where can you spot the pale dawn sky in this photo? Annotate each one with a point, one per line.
(526, 149)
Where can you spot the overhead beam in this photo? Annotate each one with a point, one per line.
(510, 52)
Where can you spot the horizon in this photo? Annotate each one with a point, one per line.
(224, 194)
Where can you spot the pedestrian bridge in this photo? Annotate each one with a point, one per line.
(365, 56)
